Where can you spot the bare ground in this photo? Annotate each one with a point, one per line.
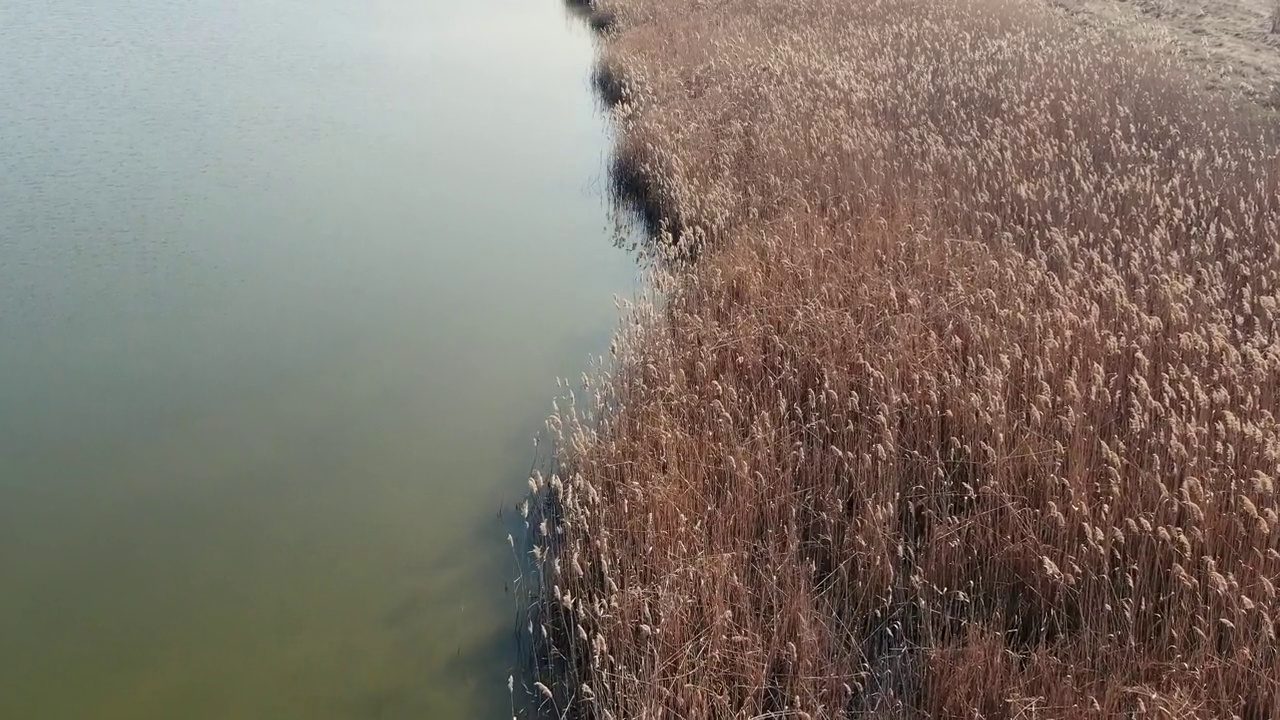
(1236, 42)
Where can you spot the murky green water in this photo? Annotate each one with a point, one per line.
(284, 288)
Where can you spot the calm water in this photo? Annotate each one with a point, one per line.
(284, 288)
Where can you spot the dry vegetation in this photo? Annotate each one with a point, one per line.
(967, 406)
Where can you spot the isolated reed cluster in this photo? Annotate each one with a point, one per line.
(967, 406)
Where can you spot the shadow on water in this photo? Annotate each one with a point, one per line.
(487, 554)
(598, 19)
(473, 669)
(636, 195)
(406, 701)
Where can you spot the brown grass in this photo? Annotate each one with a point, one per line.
(967, 407)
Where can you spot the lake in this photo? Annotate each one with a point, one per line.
(284, 290)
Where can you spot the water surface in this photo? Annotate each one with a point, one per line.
(284, 288)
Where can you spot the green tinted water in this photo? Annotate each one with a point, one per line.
(284, 288)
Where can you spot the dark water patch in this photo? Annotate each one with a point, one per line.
(603, 21)
(599, 19)
(609, 84)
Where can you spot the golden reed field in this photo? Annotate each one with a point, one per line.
(957, 395)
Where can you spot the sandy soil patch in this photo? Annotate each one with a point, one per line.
(1237, 42)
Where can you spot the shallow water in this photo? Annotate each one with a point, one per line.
(284, 288)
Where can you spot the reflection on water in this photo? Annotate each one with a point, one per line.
(284, 287)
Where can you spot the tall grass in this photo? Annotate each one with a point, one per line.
(967, 407)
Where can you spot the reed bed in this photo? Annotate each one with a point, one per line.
(965, 405)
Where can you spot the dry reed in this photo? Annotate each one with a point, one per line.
(967, 407)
